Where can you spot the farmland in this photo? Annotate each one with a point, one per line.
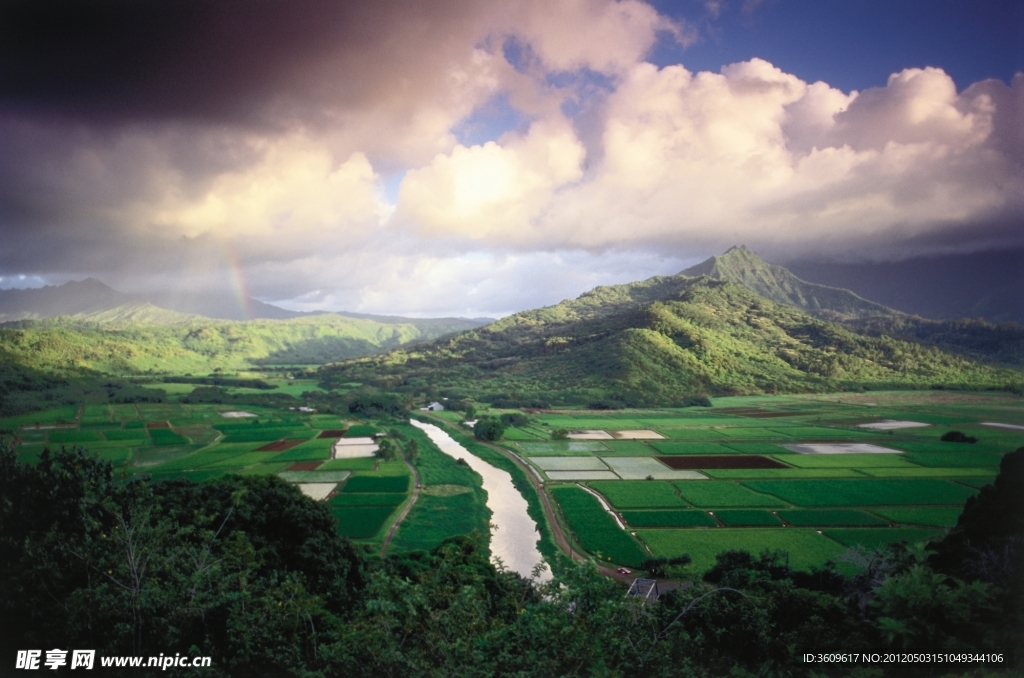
(797, 473)
(172, 440)
(688, 480)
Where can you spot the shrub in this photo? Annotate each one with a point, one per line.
(488, 429)
(514, 419)
(957, 437)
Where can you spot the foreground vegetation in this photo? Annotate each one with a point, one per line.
(250, 572)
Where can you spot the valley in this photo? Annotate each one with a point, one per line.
(649, 430)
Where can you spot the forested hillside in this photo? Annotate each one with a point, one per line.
(116, 343)
(658, 340)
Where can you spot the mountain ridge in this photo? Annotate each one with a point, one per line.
(740, 265)
(655, 342)
(91, 300)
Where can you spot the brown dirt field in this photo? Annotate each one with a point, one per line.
(332, 433)
(720, 461)
(304, 466)
(280, 446)
(158, 424)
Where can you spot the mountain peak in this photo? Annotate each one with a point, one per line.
(743, 266)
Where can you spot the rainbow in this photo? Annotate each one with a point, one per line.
(238, 284)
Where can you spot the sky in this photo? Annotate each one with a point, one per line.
(479, 157)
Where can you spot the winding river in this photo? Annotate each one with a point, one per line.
(514, 534)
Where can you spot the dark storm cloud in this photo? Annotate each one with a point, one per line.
(224, 59)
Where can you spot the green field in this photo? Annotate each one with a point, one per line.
(873, 537)
(436, 518)
(376, 483)
(806, 548)
(747, 518)
(669, 518)
(830, 517)
(165, 436)
(368, 499)
(874, 492)
(730, 473)
(594, 529)
(361, 522)
(936, 516)
(563, 448)
(716, 494)
(638, 493)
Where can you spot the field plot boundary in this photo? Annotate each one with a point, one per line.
(640, 468)
(570, 463)
(733, 461)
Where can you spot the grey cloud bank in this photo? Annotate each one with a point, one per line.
(165, 144)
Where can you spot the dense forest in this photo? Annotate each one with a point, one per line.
(251, 572)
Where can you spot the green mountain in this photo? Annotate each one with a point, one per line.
(658, 340)
(740, 265)
(139, 338)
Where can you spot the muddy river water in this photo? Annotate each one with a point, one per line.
(514, 534)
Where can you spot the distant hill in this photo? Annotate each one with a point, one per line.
(740, 265)
(86, 296)
(658, 340)
(138, 338)
(93, 301)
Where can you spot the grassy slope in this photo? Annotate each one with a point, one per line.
(659, 339)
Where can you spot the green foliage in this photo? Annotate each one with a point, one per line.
(488, 429)
(977, 546)
(386, 449)
(374, 404)
(514, 419)
(924, 609)
(200, 345)
(134, 568)
(957, 437)
(657, 341)
(249, 571)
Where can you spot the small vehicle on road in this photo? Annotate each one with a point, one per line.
(623, 570)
